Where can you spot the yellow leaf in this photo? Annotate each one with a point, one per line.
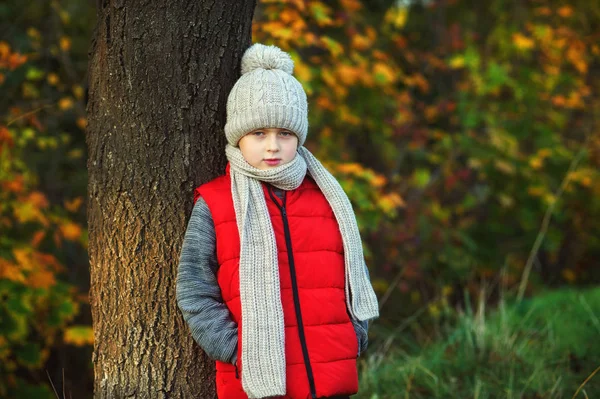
(65, 103)
(504, 166)
(361, 42)
(350, 168)
(78, 92)
(27, 212)
(522, 42)
(79, 335)
(65, 43)
(52, 79)
(457, 62)
(536, 162)
(23, 259)
(549, 199)
(396, 16)
(385, 72)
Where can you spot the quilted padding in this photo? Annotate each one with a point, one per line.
(319, 262)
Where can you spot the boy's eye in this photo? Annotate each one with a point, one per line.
(286, 133)
(258, 133)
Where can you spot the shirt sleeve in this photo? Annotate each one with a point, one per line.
(361, 328)
(198, 294)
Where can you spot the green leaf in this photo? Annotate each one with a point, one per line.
(34, 73)
(421, 177)
(29, 355)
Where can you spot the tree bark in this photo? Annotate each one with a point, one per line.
(159, 76)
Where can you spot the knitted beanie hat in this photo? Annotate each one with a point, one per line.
(266, 96)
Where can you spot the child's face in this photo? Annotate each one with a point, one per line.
(269, 147)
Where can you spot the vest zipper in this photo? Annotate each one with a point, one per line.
(288, 244)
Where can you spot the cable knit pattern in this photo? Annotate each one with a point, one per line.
(263, 327)
(260, 100)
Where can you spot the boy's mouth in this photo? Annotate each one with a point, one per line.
(272, 161)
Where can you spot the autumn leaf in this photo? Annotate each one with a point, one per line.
(351, 5)
(565, 11)
(536, 162)
(321, 13)
(41, 278)
(71, 231)
(79, 335)
(52, 79)
(74, 204)
(65, 43)
(396, 16)
(65, 103)
(522, 42)
(383, 73)
(81, 123)
(457, 62)
(11, 271)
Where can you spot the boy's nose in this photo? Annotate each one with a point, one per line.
(272, 144)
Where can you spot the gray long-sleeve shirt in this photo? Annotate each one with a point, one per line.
(199, 296)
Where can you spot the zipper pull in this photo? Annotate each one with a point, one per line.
(283, 212)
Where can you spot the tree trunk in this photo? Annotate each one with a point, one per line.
(159, 76)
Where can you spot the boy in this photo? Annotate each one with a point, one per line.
(272, 280)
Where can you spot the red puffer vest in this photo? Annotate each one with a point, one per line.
(320, 342)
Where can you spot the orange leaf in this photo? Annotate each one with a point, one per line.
(71, 231)
(10, 271)
(41, 279)
(565, 11)
(38, 236)
(351, 5)
(74, 204)
(522, 42)
(38, 199)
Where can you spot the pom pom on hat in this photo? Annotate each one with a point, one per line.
(261, 100)
(266, 57)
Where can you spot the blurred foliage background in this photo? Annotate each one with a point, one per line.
(465, 134)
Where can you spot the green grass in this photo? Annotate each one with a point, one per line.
(541, 348)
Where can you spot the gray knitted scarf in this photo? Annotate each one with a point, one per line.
(263, 350)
